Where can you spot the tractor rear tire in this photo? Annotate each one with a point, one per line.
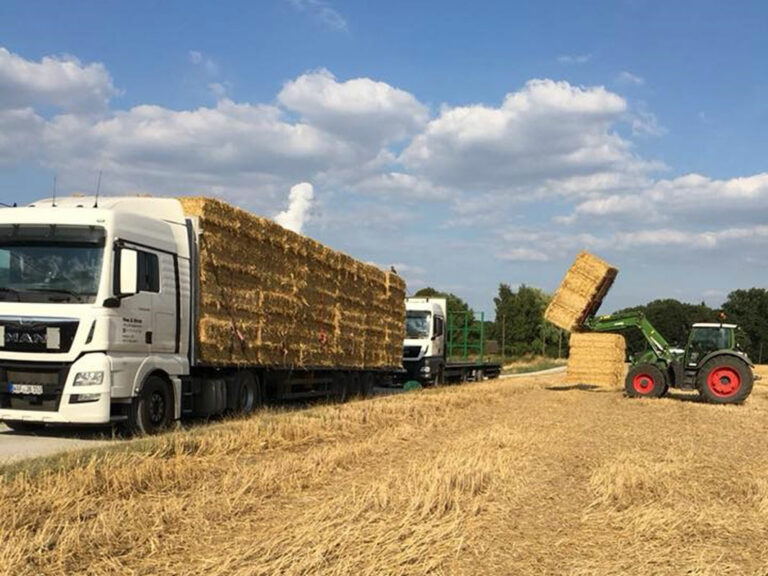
(725, 380)
(645, 381)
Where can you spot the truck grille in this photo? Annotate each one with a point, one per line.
(51, 377)
(52, 335)
(411, 352)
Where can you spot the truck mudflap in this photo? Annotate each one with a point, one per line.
(57, 393)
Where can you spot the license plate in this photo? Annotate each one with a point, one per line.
(26, 389)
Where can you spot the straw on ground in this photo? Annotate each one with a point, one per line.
(515, 477)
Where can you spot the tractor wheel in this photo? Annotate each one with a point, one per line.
(645, 381)
(725, 380)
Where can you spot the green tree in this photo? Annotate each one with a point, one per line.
(749, 309)
(455, 303)
(673, 320)
(520, 320)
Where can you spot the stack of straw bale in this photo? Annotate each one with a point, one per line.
(597, 359)
(580, 292)
(271, 297)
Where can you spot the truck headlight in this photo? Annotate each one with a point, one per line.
(89, 378)
(426, 370)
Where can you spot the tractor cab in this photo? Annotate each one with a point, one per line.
(706, 338)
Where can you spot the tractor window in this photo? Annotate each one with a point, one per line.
(708, 339)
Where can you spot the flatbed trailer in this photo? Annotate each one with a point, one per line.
(443, 347)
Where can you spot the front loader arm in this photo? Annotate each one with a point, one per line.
(617, 322)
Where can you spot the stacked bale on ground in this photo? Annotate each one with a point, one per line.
(597, 359)
(581, 291)
(271, 297)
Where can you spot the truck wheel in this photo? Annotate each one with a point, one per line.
(249, 393)
(152, 411)
(725, 380)
(23, 426)
(645, 381)
(366, 389)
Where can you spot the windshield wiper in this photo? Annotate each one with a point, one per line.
(6, 290)
(63, 291)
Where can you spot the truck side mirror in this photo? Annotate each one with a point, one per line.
(129, 272)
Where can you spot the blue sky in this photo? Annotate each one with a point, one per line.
(467, 144)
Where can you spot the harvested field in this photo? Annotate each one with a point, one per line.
(505, 477)
(271, 297)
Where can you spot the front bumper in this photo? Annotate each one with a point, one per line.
(61, 401)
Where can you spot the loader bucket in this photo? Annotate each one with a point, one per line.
(581, 292)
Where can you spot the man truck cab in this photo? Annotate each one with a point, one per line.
(424, 345)
(428, 342)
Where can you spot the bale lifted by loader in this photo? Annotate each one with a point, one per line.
(711, 362)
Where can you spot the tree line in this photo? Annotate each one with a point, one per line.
(519, 328)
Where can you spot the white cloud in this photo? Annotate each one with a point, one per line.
(21, 131)
(574, 58)
(59, 81)
(322, 12)
(645, 123)
(402, 186)
(523, 255)
(206, 63)
(690, 196)
(547, 137)
(300, 202)
(629, 79)
(361, 108)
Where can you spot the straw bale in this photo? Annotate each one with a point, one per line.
(580, 292)
(271, 297)
(596, 359)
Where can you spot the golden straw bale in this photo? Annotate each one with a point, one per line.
(581, 291)
(269, 296)
(596, 359)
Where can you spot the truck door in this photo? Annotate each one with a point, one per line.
(164, 305)
(134, 328)
(438, 336)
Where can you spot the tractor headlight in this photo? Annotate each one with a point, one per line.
(426, 370)
(89, 378)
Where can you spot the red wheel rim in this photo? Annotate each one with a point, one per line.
(724, 382)
(643, 383)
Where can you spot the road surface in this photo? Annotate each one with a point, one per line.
(16, 446)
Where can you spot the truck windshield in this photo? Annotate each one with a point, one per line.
(50, 263)
(417, 325)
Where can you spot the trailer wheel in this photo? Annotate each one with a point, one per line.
(24, 426)
(249, 393)
(645, 381)
(725, 380)
(366, 389)
(152, 410)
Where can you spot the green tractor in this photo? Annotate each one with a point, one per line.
(711, 362)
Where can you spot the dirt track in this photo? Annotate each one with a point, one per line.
(506, 477)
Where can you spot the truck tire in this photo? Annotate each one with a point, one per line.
(645, 381)
(248, 393)
(366, 389)
(23, 426)
(725, 380)
(152, 410)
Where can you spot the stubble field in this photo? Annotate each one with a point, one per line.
(527, 476)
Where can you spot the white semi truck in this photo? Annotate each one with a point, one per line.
(98, 323)
(438, 345)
